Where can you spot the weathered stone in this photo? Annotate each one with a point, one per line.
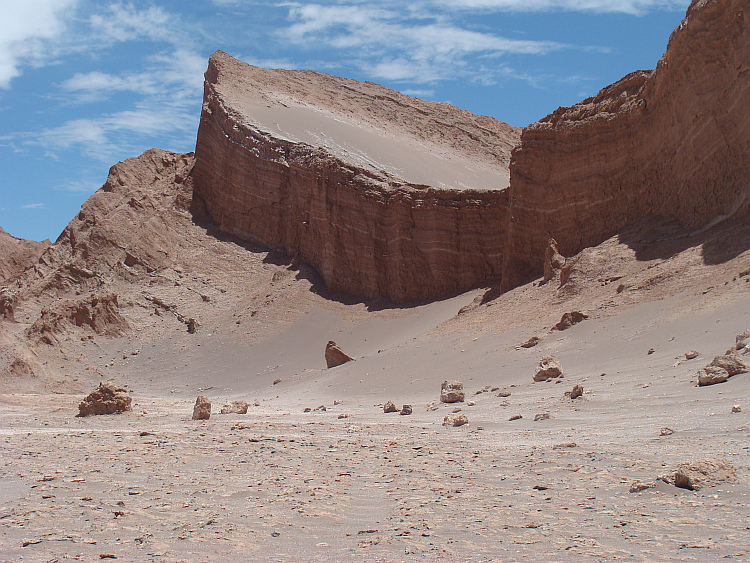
(570, 319)
(452, 392)
(542, 416)
(691, 355)
(234, 407)
(406, 410)
(531, 342)
(335, 356)
(108, 398)
(736, 409)
(553, 260)
(455, 419)
(732, 363)
(640, 486)
(574, 393)
(666, 431)
(515, 417)
(389, 407)
(549, 368)
(192, 326)
(711, 375)
(742, 339)
(704, 473)
(202, 408)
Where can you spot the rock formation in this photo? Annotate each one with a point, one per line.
(335, 356)
(455, 419)
(732, 363)
(108, 398)
(390, 196)
(234, 407)
(670, 142)
(570, 319)
(389, 406)
(18, 255)
(202, 408)
(704, 473)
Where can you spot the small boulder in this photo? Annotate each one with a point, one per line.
(455, 419)
(570, 319)
(452, 392)
(691, 355)
(742, 340)
(711, 375)
(542, 416)
(704, 473)
(389, 407)
(108, 398)
(192, 326)
(666, 431)
(574, 393)
(549, 367)
(515, 417)
(406, 410)
(736, 409)
(732, 363)
(335, 356)
(202, 408)
(234, 407)
(531, 342)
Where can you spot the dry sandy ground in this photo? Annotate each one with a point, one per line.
(278, 484)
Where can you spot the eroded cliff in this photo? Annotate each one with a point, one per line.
(673, 142)
(385, 195)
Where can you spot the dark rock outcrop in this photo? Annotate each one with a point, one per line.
(335, 356)
(108, 398)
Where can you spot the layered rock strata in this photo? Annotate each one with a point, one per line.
(673, 142)
(385, 195)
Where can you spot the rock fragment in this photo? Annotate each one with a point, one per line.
(389, 407)
(542, 416)
(202, 408)
(234, 407)
(736, 409)
(455, 419)
(531, 342)
(549, 368)
(335, 356)
(570, 319)
(452, 392)
(640, 486)
(553, 260)
(666, 431)
(406, 410)
(704, 473)
(108, 398)
(691, 355)
(515, 417)
(574, 393)
(711, 375)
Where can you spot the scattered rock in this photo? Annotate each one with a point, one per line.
(433, 406)
(742, 340)
(570, 319)
(666, 431)
(202, 408)
(542, 416)
(389, 407)
(549, 367)
(406, 410)
(640, 486)
(736, 409)
(455, 419)
(516, 417)
(335, 356)
(711, 375)
(345, 415)
(565, 445)
(704, 473)
(531, 342)
(732, 363)
(338, 402)
(234, 407)
(192, 326)
(650, 351)
(452, 392)
(691, 355)
(108, 398)
(503, 394)
(307, 409)
(574, 393)
(321, 408)
(276, 381)
(553, 260)
(471, 404)
(457, 409)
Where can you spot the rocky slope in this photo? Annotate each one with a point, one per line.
(385, 195)
(673, 142)
(18, 254)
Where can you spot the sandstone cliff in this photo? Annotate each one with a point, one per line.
(673, 142)
(385, 195)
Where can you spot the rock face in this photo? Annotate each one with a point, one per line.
(549, 368)
(108, 398)
(202, 408)
(704, 473)
(452, 392)
(18, 255)
(392, 196)
(335, 356)
(670, 142)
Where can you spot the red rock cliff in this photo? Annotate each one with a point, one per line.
(385, 195)
(673, 142)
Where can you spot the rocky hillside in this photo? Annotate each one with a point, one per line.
(673, 142)
(17, 255)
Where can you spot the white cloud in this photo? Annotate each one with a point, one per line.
(33, 206)
(636, 7)
(27, 26)
(124, 22)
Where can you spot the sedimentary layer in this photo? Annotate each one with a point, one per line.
(385, 195)
(673, 142)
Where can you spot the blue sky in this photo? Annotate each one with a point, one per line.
(85, 84)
